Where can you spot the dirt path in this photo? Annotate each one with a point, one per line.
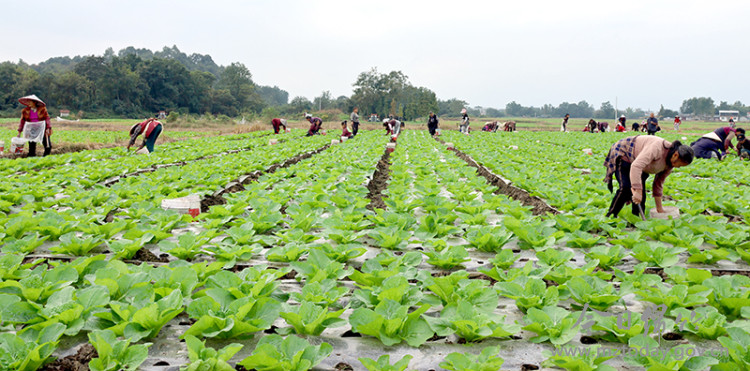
(379, 182)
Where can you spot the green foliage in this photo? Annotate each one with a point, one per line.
(553, 324)
(487, 360)
(274, 353)
(384, 363)
(203, 358)
(392, 323)
(114, 354)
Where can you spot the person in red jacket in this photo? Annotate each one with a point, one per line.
(150, 129)
(35, 113)
(345, 131)
(315, 124)
(277, 124)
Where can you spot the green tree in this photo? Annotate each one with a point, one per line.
(702, 106)
(606, 111)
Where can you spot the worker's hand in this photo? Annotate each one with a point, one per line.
(637, 196)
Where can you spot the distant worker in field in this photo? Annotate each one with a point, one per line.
(652, 125)
(592, 125)
(715, 144)
(315, 125)
(490, 126)
(636, 127)
(564, 127)
(35, 124)
(277, 124)
(622, 121)
(509, 126)
(677, 123)
(345, 131)
(464, 126)
(393, 126)
(743, 145)
(150, 129)
(603, 126)
(632, 159)
(432, 123)
(732, 124)
(620, 127)
(354, 117)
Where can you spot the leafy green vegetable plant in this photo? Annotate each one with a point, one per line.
(274, 353)
(29, 349)
(311, 319)
(553, 324)
(384, 363)
(392, 323)
(486, 360)
(203, 358)
(114, 354)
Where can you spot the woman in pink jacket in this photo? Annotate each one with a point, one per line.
(35, 114)
(632, 159)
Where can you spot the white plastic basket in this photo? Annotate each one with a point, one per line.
(184, 205)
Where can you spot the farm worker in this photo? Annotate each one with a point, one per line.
(620, 128)
(432, 123)
(715, 143)
(393, 125)
(344, 131)
(510, 126)
(603, 126)
(489, 126)
(315, 124)
(464, 127)
(677, 123)
(387, 126)
(743, 145)
(732, 124)
(355, 120)
(632, 159)
(150, 129)
(35, 124)
(652, 124)
(565, 123)
(592, 125)
(277, 124)
(622, 121)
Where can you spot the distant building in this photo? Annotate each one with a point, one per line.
(64, 113)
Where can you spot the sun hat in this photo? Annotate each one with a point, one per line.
(463, 110)
(307, 116)
(385, 121)
(25, 100)
(283, 122)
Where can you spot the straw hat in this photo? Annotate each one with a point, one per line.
(283, 122)
(25, 100)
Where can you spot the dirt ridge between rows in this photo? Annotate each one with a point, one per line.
(539, 206)
(379, 182)
(237, 185)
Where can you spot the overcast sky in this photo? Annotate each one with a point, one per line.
(488, 53)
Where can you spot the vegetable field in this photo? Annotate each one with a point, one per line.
(312, 255)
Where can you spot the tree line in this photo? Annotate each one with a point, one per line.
(137, 82)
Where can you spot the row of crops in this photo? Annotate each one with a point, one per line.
(293, 268)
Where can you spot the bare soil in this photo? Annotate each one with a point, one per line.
(75, 362)
(379, 182)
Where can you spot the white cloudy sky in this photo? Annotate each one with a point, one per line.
(642, 53)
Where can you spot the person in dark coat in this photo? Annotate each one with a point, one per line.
(432, 123)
